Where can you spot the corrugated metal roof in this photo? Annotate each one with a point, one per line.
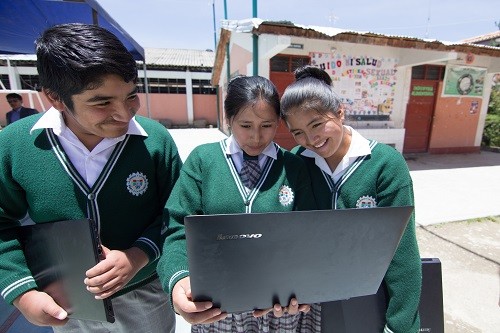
(156, 57)
(482, 38)
(180, 58)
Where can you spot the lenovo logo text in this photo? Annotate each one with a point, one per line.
(241, 236)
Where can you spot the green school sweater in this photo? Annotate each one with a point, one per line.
(380, 179)
(126, 201)
(209, 184)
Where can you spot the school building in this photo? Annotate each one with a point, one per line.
(179, 90)
(416, 95)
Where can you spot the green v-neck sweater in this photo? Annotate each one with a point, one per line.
(209, 184)
(127, 200)
(380, 179)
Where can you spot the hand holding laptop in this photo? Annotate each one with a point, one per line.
(193, 312)
(205, 313)
(40, 309)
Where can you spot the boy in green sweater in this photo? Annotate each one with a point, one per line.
(349, 171)
(89, 156)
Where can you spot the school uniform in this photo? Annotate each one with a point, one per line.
(375, 175)
(210, 184)
(46, 174)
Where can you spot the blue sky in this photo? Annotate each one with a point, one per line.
(189, 24)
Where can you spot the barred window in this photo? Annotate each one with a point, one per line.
(30, 82)
(5, 80)
(203, 87)
(167, 86)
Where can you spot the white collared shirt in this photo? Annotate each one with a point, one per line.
(89, 164)
(233, 149)
(360, 146)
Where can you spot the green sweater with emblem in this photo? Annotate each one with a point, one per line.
(209, 184)
(127, 200)
(380, 179)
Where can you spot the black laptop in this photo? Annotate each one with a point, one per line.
(242, 262)
(58, 255)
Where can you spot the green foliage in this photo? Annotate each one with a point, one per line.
(494, 105)
(491, 133)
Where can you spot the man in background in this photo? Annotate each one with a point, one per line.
(18, 110)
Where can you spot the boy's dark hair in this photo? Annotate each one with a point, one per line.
(311, 91)
(74, 57)
(248, 90)
(14, 95)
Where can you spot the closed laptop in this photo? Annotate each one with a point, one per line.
(58, 255)
(242, 262)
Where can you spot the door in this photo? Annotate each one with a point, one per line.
(281, 74)
(419, 113)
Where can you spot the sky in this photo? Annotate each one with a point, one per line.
(189, 24)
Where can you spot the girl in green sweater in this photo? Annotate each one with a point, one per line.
(215, 180)
(349, 171)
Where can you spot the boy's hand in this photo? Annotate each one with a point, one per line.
(40, 309)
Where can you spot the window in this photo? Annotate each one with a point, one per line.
(30, 82)
(5, 80)
(203, 87)
(288, 63)
(428, 72)
(167, 86)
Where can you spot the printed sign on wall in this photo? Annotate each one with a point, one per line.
(463, 81)
(365, 84)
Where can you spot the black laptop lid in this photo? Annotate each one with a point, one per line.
(58, 255)
(252, 261)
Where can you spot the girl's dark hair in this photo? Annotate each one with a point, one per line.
(74, 57)
(243, 91)
(311, 90)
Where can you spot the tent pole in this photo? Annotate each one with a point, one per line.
(146, 88)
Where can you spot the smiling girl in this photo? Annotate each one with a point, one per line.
(350, 171)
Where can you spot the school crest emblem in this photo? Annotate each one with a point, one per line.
(137, 183)
(285, 195)
(366, 201)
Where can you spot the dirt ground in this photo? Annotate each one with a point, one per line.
(469, 252)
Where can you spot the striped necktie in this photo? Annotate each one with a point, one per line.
(250, 171)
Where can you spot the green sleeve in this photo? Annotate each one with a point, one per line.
(185, 199)
(404, 275)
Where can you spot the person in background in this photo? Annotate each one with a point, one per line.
(89, 156)
(18, 110)
(219, 178)
(349, 171)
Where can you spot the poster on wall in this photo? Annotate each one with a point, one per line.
(365, 84)
(463, 81)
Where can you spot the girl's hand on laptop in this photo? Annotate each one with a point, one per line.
(293, 308)
(193, 312)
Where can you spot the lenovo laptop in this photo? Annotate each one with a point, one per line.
(58, 255)
(242, 262)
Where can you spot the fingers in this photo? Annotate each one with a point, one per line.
(261, 313)
(293, 307)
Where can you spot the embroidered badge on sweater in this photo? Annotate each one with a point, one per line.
(137, 183)
(285, 195)
(366, 202)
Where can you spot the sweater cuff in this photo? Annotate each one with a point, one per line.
(173, 280)
(149, 247)
(17, 288)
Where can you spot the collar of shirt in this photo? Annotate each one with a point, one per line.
(52, 118)
(233, 149)
(360, 146)
(89, 164)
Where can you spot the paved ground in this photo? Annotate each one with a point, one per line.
(448, 190)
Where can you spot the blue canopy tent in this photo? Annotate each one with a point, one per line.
(23, 21)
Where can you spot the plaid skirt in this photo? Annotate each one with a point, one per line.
(246, 323)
